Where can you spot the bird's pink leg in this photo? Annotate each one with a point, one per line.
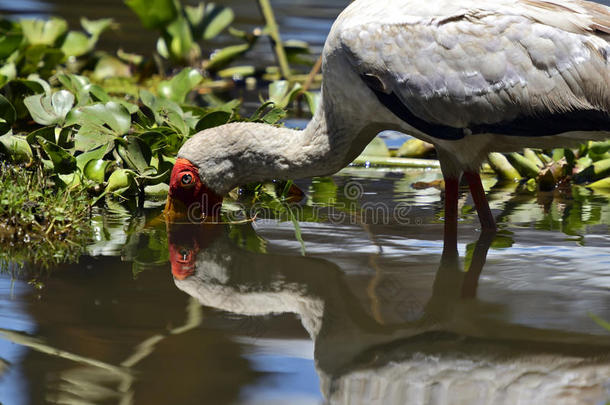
(451, 215)
(480, 200)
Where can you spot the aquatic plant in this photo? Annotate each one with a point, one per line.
(40, 223)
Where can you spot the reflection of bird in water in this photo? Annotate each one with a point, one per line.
(469, 76)
(449, 350)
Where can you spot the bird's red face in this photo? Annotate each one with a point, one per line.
(189, 198)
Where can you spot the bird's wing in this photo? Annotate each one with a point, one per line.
(490, 70)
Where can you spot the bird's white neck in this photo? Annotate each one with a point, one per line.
(241, 153)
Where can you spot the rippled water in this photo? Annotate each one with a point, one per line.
(372, 313)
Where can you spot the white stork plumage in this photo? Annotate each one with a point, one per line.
(469, 76)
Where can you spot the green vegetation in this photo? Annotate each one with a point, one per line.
(110, 125)
(38, 224)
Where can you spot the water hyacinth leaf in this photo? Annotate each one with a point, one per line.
(135, 154)
(43, 32)
(49, 110)
(376, 147)
(281, 94)
(274, 115)
(93, 154)
(96, 169)
(237, 72)
(224, 56)
(10, 39)
(47, 133)
(110, 67)
(131, 58)
(154, 13)
(96, 27)
(76, 44)
(313, 101)
(213, 119)
(181, 44)
(195, 16)
(63, 161)
(179, 86)
(41, 59)
(111, 114)
(8, 115)
(121, 181)
(16, 91)
(7, 72)
(216, 19)
(16, 147)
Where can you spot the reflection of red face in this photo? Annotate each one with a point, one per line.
(188, 196)
(185, 242)
(182, 259)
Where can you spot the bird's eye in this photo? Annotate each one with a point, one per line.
(187, 179)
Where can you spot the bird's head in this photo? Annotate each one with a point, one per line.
(189, 197)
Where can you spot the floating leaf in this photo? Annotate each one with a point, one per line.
(96, 27)
(213, 119)
(76, 44)
(93, 154)
(49, 110)
(224, 56)
(215, 20)
(109, 66)
(178, 87)
(63, 161)
(8, 115)
(181, 44)
(43, 32)
(42, 60)
(274, 115)
(16, 147)
(136, 154)
(10, 39)
(16, 91)
(121, 181)
(154, 13)
(111, 114)
(96, 169)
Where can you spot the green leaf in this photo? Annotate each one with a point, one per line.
(274, 115)
(154, 13)
(8, 115)
(63, 161)
(96, 169)
(16, 147)
(9, 41)
(111, 114)
(136, 154)
(93, 154)
(49, 110)
(47, 133)
(224, 56)
(281, 94)
(216, 19)
(43, 32)
(181, 44)
(213, 119)
(179, 86)
(76, 44)
(109, 67)
(121, 181)
(42, 60)
(16, 91)
(96, 27)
